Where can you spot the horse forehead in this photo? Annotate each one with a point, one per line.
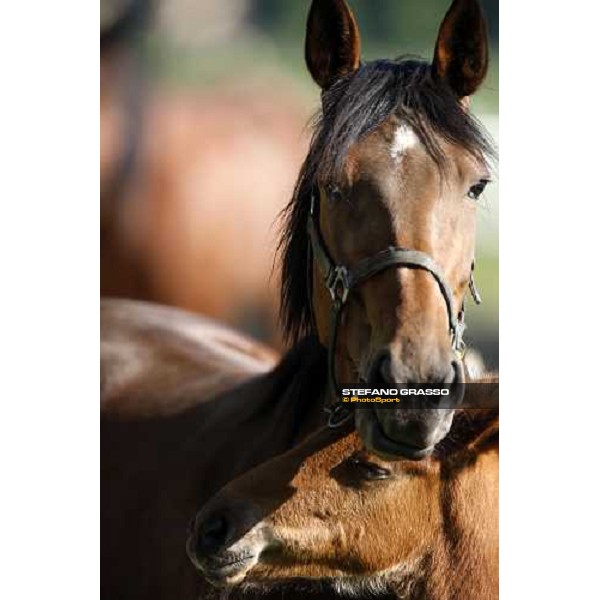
(403, 139)
(389, 158)
(326, 451)
(379, 153)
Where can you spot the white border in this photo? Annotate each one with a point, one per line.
(549, 299)
(49, 278)
(549, 235)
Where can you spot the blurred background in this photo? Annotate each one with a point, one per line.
(205, 111)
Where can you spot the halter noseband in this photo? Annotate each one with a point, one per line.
(341, 280)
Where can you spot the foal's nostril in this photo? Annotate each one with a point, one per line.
(213, 534)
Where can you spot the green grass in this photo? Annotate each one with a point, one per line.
(174, 66)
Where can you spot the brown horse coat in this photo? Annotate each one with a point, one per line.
(330, 513)
(187, 405)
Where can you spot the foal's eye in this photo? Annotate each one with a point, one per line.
(478, 189)
(370, 471)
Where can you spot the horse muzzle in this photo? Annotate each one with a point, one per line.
(413, 430)
(402, 433)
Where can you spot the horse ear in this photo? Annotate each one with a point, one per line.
(332, 47)
(461, 52)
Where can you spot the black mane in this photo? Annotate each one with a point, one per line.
(352, 107)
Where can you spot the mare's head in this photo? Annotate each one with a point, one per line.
(397, 161)
(332, 511)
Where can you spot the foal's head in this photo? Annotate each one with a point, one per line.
(330, 510)
(396, 161)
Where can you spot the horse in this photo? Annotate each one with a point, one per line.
(330, 513)
(385, 206)
(175, 222)
(379, 237)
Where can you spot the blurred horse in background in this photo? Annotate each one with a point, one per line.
(192, 184)
(158, 361)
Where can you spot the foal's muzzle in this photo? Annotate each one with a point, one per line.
(222, 545)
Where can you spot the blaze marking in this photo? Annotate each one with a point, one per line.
(404, 139)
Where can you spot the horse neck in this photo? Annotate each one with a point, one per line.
(264, 417)
(466, 562)
(289, 400)
(296, 399)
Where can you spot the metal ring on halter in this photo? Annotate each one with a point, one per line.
(338, 284)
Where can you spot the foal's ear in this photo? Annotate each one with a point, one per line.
(332, 47)
(461, 52)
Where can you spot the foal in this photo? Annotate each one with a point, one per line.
(331, 511)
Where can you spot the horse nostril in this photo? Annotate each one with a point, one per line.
(381, 369)
(213, 534)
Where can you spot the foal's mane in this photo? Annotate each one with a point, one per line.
(354, 106)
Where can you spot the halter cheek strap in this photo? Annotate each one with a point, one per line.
(341, 280)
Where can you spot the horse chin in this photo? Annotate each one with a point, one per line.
(378, 442)
(228, 569)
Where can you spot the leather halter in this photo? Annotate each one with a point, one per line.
(340, 280)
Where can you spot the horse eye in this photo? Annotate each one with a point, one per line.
(333, 192)
(370, 471)
(478, 189)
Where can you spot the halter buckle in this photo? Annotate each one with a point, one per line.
(338, 284)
